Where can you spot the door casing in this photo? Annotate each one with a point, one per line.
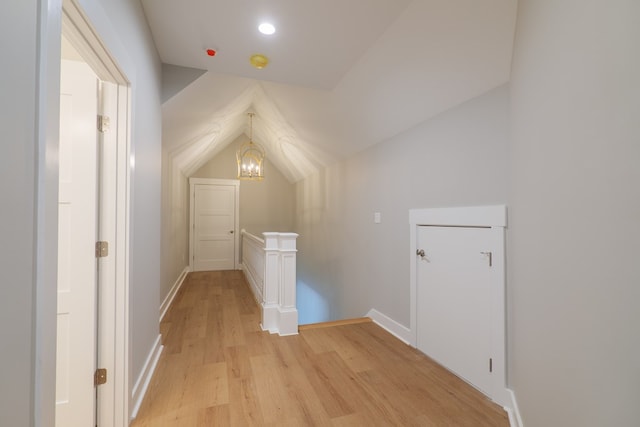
(114, 213)
(495, 217)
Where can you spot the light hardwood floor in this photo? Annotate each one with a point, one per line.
(219, 369)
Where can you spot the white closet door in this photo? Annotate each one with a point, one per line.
(454, 300)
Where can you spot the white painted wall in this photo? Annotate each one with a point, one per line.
(175, 225)
(266, 205)
(28, 187)
(346, 263)
(574, 238)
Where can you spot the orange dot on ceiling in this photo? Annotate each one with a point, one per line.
(259, 61)
(211, 52)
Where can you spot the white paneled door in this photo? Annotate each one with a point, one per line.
(214, 226)
(77, 213)
(455, 275)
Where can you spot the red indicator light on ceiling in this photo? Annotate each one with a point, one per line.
(211, 52)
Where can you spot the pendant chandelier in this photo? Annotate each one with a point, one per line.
(250, 157)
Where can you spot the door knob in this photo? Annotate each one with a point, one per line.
(231, 232)
(422, 255)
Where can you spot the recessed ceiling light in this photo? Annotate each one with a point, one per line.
(266, 28)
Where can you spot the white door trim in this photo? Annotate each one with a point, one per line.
(113, 346)
(236, 232)
(477, 216)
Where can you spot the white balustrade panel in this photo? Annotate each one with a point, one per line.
(253, 264)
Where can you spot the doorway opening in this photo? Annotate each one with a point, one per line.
(110, 262)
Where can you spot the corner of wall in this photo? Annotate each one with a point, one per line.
(394, 328)
(515, 419)
(142, 383)
(164, 307)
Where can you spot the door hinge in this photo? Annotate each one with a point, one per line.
(100, 377)
(489, 255)
(490, 365)
(102, 249)
(103, 123)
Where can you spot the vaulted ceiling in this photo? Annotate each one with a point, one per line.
(343, 74)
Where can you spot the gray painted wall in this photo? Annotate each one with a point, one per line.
(28, 176)
(574, 237)
(18, 192)
(346, 263)
(176, 78)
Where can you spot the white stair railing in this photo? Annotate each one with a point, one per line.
(269, 264)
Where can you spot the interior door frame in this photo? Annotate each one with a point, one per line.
(494, 217)
(236, 234)
(113, 310)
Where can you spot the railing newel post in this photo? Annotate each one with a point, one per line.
(270, 267)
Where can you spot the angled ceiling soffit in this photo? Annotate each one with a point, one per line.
(175, 78)
(294, 158)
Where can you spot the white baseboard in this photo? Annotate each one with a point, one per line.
(172, 293)
(287, 321)
(140, 388)
(269, 318)
(515, 419)
(394, 328)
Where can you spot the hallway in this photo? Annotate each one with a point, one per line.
(219, 369)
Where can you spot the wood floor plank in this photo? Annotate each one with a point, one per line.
(333, 383)
(359, 357)
(218, 368)
(214, 416)
(277, 407)
(244, 408)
